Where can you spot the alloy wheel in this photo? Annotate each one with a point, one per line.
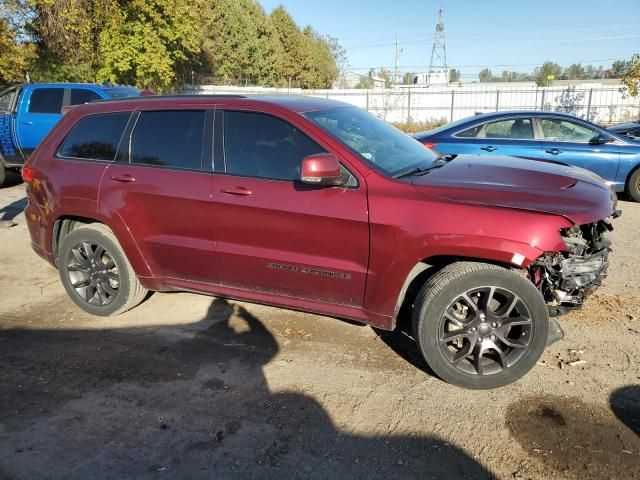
(485, 330)
(93, 273)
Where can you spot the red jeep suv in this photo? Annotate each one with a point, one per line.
(316, 205)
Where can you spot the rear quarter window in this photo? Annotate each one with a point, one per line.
(95, 137)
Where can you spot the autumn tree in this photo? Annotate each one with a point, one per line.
(632, 75)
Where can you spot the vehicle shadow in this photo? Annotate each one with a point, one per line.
(11, 211)
(135, 402)
(625, 404)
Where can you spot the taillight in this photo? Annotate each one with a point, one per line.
(431, 145)
(27, 174)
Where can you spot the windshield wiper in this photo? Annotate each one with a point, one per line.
(412, 171)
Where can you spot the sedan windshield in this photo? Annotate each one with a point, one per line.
(381, 145)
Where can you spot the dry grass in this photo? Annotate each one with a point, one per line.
(415, 127)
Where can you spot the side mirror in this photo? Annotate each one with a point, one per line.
(600, 139)
(321, 169)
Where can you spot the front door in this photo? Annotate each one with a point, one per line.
(163, 193)
(568, 142)
(275, 234)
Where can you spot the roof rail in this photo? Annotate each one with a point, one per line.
(161, 97)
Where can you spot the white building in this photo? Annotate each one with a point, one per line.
(439, 77)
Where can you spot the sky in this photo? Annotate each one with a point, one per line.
(497, 34)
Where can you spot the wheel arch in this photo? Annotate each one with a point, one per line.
(67, 223)
(629, 175)
(420, 273)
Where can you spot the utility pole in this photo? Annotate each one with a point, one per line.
(395, 68)
(439, 50)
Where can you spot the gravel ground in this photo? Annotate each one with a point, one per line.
(189, 386)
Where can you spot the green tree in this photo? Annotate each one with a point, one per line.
(575, 72)
(408, 78)
(618, 69)
(547, 69)
(454, 75)
(147, 40)
(485, 75)
(296, 53)
(14, 57)
(632, 75)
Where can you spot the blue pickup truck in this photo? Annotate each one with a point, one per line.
(29, 111)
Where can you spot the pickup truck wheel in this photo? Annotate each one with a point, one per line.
(96, 273)
(3, 174)
(480, 326)
(633, 186)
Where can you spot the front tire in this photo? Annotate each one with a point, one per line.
(96, 273)
(480, 326)
(633, 186)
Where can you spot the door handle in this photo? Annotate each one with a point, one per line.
(553, 151)
(26, 123)
(236, 190)
(125, 178)
(490, 148)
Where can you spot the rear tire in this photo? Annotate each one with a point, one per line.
(96, 273)
(633, 186)
(480, 326)
(3, 174)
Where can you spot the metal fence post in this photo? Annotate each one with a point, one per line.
(367, 108)
(409, 106)
(497, 99)
(453, 93)
(542, 101)
(589, 104)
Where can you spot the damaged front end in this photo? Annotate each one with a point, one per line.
(566, 278)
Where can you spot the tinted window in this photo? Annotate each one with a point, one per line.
(95, 137)
(169, 138)
(514, 128)
(122, 92)
(82, 95)
(565, 131)
(46, 100)
(260, 145)
(6, 100)
(470, 132)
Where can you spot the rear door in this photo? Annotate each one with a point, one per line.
(275, 234)
(568, 142)
(507, 136)
(38, 112)
(161, 189)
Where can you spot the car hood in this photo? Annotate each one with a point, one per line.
(575, 193)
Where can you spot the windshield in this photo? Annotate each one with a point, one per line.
(122, 92)
(381, 145)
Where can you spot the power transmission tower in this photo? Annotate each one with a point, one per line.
(439, 50)
(397, 58)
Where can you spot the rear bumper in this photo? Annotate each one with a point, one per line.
(38, 232)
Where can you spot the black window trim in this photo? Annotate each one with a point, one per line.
(219, 127)
(125, 156)
(58, 156)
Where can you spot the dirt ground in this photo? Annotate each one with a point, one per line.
(189, 386)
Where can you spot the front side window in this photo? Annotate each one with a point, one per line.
(82, 95)
(95, 137)
(513, 128)
(379, 144)
(566, 131)
(170, 138)
(259, 145)
(46, 100)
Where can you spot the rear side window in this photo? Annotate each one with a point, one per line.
(515, 128)
(469, 132)
(82, 95)
(95, 137)
(259, 145)
(46, 100)
(169, 138)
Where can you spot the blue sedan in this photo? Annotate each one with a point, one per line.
(545, 136)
